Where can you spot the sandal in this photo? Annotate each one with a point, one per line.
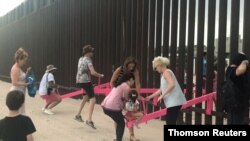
(91, 124)
(78, 118)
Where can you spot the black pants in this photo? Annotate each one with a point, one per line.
(172, 115)
(119, 119)
(236, 118)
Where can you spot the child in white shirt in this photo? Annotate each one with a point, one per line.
(132, 107)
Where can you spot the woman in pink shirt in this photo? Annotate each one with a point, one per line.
(114, 103)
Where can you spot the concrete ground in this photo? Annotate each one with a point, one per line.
(63, 127)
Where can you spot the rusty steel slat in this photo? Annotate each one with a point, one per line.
(221, 52)
(166, 24)
(210, 50)
(199, 58)
(151, 42)
(190, 55)
(234, 28)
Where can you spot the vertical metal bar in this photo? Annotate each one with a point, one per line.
(109, 36)
(158, 28)
(144, 47)
(173, 49)
(166, 28)
(246, 35)
(158, 36)
(234, 38)
(123, 30)
(133, 28)
(210, 50)
(180, 71)
(151, 41)
(199, 58)
(113, 36)
(118, 35)
(139, 28)
(99, 35)
(63, 60)
(221, 52)
(190, 57)
(105, 36)
(128, 28)
(182, 43)
(246, 31)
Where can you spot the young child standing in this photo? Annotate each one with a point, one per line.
(132, 112)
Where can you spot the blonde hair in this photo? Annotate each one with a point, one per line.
(21, 54)
(160, 61)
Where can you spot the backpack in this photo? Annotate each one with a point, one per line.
(227, 95)
(30, 78)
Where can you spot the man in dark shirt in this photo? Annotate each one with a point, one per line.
(237, 72)
(16, 127)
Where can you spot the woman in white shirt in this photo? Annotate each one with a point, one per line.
(48, 90)
(170, 91)
(17, 74)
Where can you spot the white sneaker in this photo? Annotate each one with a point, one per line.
(48, 111)
(43, 109)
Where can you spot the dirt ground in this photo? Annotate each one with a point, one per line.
(63, 127)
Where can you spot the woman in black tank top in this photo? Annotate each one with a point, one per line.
(130, 66)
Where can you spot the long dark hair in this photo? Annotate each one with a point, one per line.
(125, 78)
(129, 60)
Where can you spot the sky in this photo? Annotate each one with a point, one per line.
(8, 5)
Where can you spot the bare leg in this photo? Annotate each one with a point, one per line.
(138, 116)
(53, 104)
(47, 105)
(92, 102)
(84, 100)
(131, 132)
